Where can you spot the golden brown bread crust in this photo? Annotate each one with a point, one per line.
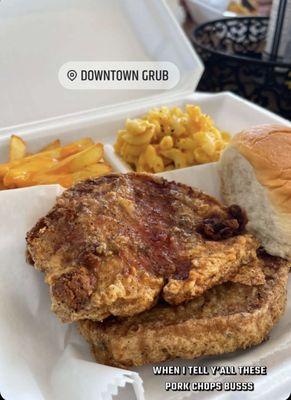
(268, 149)
(112, 245)
(226, 318)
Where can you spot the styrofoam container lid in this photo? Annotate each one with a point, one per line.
(38, 36)
(204, 11)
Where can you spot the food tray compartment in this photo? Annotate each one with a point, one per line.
(229, 112)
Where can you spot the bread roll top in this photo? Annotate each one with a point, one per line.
(268, 150)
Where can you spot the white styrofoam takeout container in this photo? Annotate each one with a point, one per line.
(38, 109)
(204, 11)
(38, 37)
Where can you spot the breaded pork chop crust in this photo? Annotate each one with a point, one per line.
(227, 317)
(113, 245)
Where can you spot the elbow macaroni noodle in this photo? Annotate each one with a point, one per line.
(169, 138)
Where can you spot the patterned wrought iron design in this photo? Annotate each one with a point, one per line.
(233, 53)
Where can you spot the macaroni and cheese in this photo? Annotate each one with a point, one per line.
(169, 138)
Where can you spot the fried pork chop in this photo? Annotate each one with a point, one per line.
(225, 318)
(114, 245)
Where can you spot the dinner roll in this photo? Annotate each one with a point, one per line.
(255, 171)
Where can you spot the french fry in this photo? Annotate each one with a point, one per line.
(98, 169)
(92, 171)
(78, 161)
(76, 147)
(57, 153)
(17, 148)
(20, 176)
(53, 154)
(51, 146)
(2, 186)
(54, 164)
(65, 151)
(67, 180)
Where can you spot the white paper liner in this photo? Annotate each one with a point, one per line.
(42, 359)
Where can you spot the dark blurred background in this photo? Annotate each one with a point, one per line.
(234, 38)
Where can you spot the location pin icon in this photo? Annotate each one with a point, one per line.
(72, 75)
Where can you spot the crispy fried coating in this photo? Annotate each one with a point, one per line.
(114, 245)
(227, 317)
(251, 274)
